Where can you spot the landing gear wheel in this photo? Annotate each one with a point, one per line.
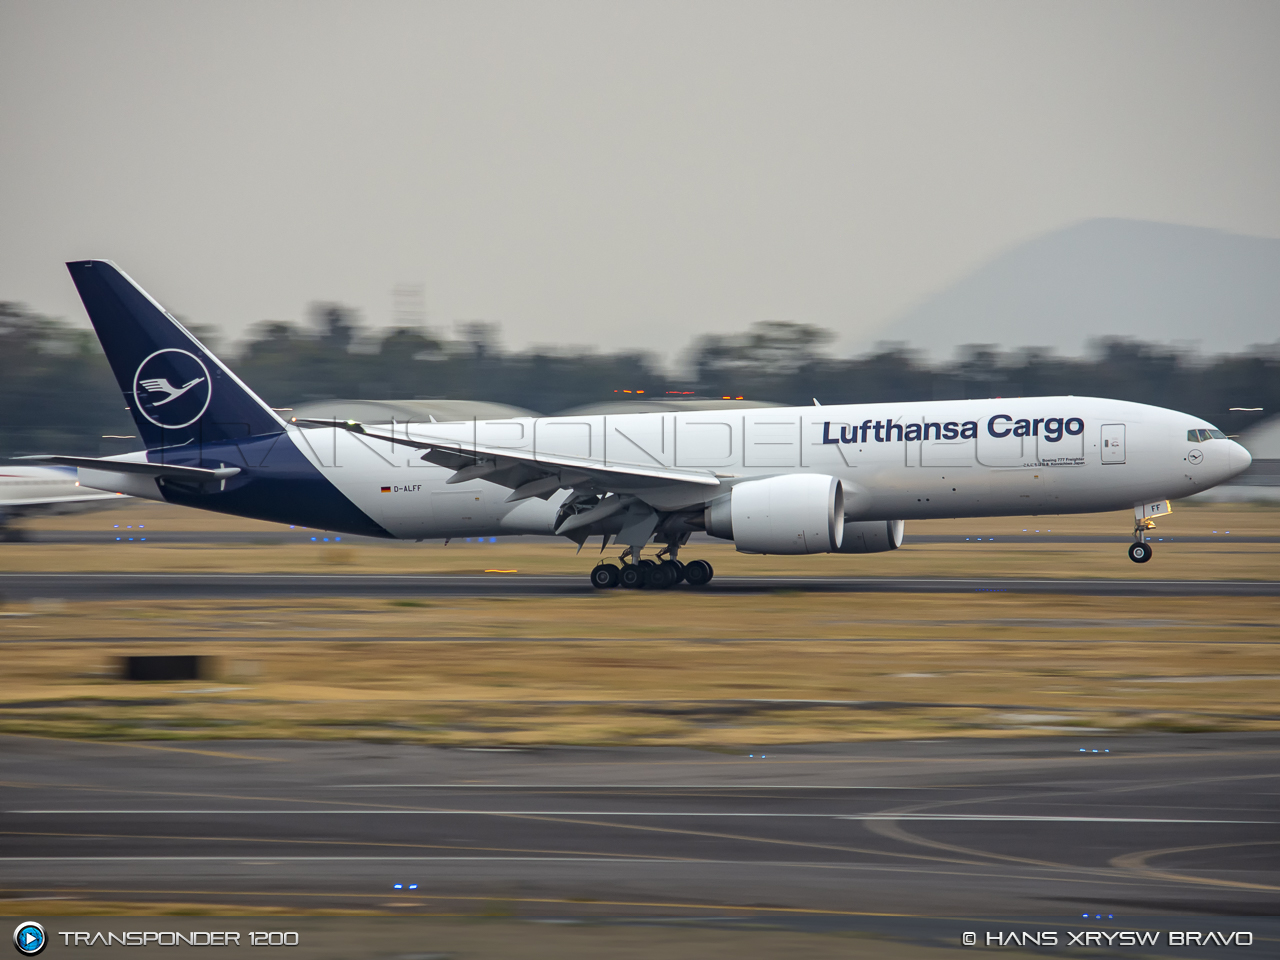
(1140, 552)
(698, 573)
(631, 577)
(604, 576)
(676, 568)
(660, 577)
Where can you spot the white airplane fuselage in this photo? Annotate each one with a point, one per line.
(896, 461)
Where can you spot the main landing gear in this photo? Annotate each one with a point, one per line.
(651, 575)
(1140, 552)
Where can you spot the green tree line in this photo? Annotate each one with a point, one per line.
(57, 393)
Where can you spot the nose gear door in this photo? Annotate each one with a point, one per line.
(1113, 443)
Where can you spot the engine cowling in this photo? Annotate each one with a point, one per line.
(797, 513)
(872, 536)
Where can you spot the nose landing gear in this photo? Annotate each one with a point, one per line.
(1144, 515)
(1144, 521)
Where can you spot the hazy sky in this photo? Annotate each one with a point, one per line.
(626, 175)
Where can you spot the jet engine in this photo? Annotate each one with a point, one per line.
(798, 513)
(871, 536)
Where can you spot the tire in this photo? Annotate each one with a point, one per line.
(676, 568)
(660, 577)
(604, 576)
(631, 577)
(1140, 552)
(698, 573)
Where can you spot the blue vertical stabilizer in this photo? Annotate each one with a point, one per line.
(178, 392)
(192, 411)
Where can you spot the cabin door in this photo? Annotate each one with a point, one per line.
(1113, 443)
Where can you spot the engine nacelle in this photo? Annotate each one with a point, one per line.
(872, 536)
(798, 513)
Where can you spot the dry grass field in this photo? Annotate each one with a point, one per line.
(720, 672)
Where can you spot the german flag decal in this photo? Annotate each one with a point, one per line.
(386, 489)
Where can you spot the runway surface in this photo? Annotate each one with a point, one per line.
(161, 586)
(1051, 826)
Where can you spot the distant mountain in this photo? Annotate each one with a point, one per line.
(1132, 278)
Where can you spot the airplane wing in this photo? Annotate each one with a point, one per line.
(540, 475)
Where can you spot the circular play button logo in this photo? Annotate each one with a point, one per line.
(29, 938)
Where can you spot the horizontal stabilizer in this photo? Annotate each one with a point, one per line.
(140, 467)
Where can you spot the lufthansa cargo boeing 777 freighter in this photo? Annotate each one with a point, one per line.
(777, 480)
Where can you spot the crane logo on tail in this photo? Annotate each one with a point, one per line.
(171, 388)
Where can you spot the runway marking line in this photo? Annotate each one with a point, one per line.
(607, 787)
(335, 843)
(1055, 758)
(573, 819)
(151, 746)
(888, 828)
(1136, 864)
(1183, 781)
(840, 848)
(445, 812)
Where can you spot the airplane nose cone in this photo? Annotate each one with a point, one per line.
(1240, 458)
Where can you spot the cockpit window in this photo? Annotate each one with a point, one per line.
(1217, 434)
(1201, 436)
